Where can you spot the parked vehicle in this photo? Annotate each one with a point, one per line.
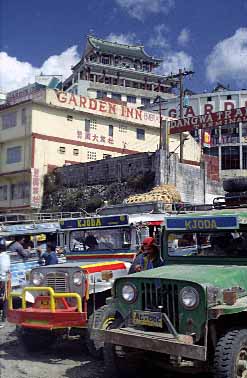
(63, 299)
(191, 313)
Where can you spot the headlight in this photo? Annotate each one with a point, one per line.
(129, 293)
(37, 278)
(189, 297)
(77, 278)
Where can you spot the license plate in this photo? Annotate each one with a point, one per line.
(147, 318)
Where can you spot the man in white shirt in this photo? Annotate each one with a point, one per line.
(4, 276)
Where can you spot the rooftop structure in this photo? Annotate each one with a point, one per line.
(122, 72)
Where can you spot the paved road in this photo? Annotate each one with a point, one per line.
(64, 360)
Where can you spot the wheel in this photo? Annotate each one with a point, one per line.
(121, 362)
(35, 340)
(236, 184)
(230, 359)
(100, 319)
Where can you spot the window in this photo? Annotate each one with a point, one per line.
(106, 238)
(93, 124)
(3, 192)
(24, 116)
(209, 98)
(75, 151)
(122, 129)
(145, 101)
(101, 94)
(116, 96)
(9, 120)
(228, 97)
(140, 134)
(20, 190)
(105, 60)
(91, 155)
(69, 118)
(13, 155)
(244, 157)
(62, 150)
(230, 158)
(107, 156)
(110, 132)
(211, 244)
(131, 99)
(87, 125)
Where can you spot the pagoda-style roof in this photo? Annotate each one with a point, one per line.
(115, 48)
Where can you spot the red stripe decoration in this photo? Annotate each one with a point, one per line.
(100, 268)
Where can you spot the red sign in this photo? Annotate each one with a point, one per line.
(209, 120)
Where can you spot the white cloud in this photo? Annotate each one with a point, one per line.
(228, 58)
(158, 39)
(140, 8)
(125, 39)
(175, 60)
(15, 74)
(184, 37)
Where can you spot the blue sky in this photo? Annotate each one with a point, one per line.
(49, 36)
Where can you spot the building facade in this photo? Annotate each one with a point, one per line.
(228, 142)
(121, 72)
(54, 128)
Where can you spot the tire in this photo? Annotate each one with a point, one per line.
(35, 340)
(230, 349)
(100, 319)
(236, 184)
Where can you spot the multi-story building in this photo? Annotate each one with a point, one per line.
(51, 128)
(228, 143)
(121, 72)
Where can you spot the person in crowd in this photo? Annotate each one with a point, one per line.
(4, 279)
(50, 255)
(91, 241)
(148, 257)
(18, 246)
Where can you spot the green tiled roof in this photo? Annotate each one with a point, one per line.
(132, 51)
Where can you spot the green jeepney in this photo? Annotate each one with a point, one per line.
(192, 312)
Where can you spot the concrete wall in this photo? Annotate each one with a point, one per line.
(190, 180)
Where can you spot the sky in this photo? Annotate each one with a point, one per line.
(48, 36)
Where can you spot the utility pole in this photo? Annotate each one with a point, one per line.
(181, 113)
(180, 76)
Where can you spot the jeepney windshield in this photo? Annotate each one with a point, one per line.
(214, 244)
(111, 238)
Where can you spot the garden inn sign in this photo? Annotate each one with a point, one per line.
(209, 120)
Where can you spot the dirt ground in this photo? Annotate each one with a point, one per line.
(66, 359)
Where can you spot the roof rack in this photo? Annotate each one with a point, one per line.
(12, 218)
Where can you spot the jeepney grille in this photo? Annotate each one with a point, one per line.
(161, 297)
(57, 281)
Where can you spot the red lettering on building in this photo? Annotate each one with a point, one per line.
(72, 100)
(102, 106)
(83, 101)
(228, 105)
(61, 96)
(92, 104)
(123, 111)
(112, 108)
(138, 114)
(189, 112)
(208, 108)
(129, 112)
(172, 113)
